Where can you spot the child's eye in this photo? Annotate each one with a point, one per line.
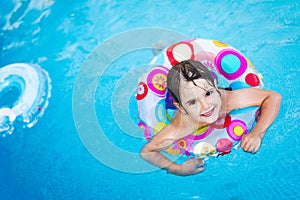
(192, 102)
(208, 93)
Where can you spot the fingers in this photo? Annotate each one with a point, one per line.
(251, 143)
(200, 164)
(201, 167)
(197, 161)
(249, 147)
(256, 149)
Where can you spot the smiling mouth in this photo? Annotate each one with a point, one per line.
(208, 113)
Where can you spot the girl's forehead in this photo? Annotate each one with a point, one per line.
(201, 83)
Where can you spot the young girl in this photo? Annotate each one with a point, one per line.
(200, 103)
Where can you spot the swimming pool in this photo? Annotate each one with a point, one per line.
(56, 159)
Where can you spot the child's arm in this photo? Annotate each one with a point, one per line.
(166, 137)
(269, 102)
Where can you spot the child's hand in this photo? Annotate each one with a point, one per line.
(251, 142)
(190, 167)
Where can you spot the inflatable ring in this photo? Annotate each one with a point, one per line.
(24, 93)
(228, 66)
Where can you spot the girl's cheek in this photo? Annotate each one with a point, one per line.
(196, 111)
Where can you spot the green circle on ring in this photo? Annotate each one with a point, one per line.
(230, 63)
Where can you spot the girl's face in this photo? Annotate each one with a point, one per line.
(202, 102)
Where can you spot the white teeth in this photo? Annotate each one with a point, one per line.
(208, 112)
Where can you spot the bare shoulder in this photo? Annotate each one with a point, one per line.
(178, 128)
(165, 137)
(246, 97)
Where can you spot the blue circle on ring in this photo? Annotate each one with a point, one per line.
(236, 74)
(160, 111)
(230, 63)
(237, 85)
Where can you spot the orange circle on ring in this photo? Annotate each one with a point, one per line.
(220, 44)
(182, 144)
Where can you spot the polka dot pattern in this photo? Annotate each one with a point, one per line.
(222, 123)
(207, 59)
(157, 80)
(230, 63)
(159, 126)
(160, 111)
(252, 80)
(220, 44)
(228, 67)
(180, 51)
(237, 129)
(142, 91)
(202, 133)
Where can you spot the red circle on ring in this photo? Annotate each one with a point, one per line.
(226, 123)
(145, 91)
(170, 55)
(252, 80)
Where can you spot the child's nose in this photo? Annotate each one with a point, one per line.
(204, 104)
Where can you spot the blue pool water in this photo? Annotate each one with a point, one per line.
(64, 157)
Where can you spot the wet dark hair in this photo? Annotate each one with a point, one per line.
(188, 70)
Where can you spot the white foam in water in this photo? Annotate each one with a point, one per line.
(34, 84)
(33, 5)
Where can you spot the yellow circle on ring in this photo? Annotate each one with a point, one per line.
(169, 117)
(200, 130)
(159, 81)
(172, 151)
(238, 130)
(250, 63)
(220, 44)
(159, 126)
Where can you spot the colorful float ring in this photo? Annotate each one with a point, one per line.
(24, 93)
(228, 66)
